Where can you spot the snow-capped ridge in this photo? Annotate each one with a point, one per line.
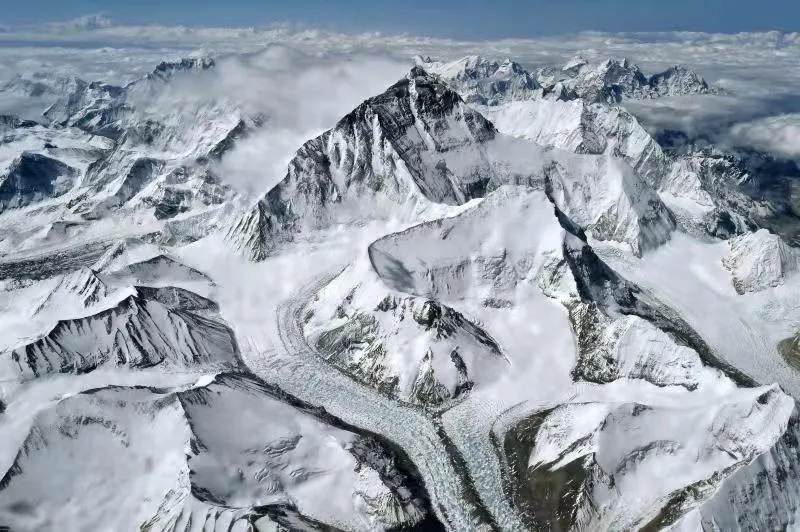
(83, 285)
(166, 69)
(760, 260)
(482, 81)
(614, 80)
(418, 143)
(152, 326)
(598, 446)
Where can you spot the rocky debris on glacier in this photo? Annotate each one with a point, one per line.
(123, 330)
(550, 171)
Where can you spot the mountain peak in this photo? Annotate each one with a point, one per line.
(484, 81)
(165, 69)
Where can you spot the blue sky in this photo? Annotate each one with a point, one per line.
(463, 19)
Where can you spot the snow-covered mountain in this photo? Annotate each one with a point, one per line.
(609, 81)
(486, 298)
(418, 143)
(704, 188)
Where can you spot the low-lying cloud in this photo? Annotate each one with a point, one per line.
(777, 134)
(300, 96)
(303, 80)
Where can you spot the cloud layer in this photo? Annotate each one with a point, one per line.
(303, 80)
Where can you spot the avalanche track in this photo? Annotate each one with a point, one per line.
(307, 376)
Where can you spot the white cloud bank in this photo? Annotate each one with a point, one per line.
(305, 79)
(777, 134)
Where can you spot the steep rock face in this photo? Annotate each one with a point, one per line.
(163, 147)
(487, 82)
(150, 327)
(166, 69)
(34, 177)
(276, 451)
(429, 261)
(760, 260)
(81, 285)
(582, 127)
(592, 463)
(703, 188)
(612, 348)
(110, 110)
(393, 151)
(762, 494)
(94, 107)
(606, 197)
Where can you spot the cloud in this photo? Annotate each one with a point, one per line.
(298, 95)
(304, 79)
(779, 135)
(301, 97)
(92, 22)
